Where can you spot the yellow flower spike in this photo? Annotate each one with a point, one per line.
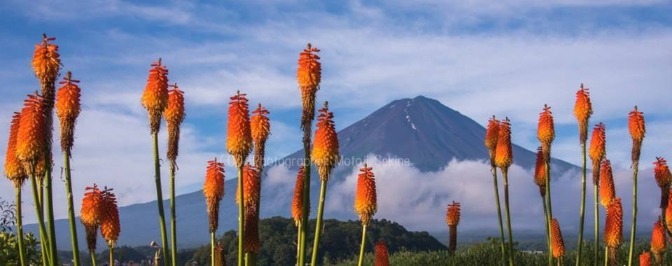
(325, 153)
(297, 201)
(583, 109)
(155, 96)
(308, 75)
(607, 190)
(546, 131)
(238, 134)
(558, 245)
(67, 110)
(13, 169)
(365, 195)
(213, 190)
(504, 152)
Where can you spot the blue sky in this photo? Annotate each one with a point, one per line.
(481, 58)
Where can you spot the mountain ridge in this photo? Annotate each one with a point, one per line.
(422, 130)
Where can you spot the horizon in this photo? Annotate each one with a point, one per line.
(480, 60)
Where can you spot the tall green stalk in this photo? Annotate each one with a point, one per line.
(111, 255)
(212, 248)
(19, 225)
(508, 213)
(306, 192)
(361, 247)
(71, 209)
(318, 224)
(298, 241)
(582, 211)
(549, 205)
(597, 223)
(173, 223)
(46, 257)
(548, 232)
(49, 201)
(92, 254)
(606, 256)
(499, 211)
(159, 196)
(633, 228)
(241, 216)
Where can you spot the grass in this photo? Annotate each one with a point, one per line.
(488, 253)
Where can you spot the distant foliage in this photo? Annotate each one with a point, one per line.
(339, 242)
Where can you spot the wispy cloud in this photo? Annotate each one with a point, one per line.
(507, 59)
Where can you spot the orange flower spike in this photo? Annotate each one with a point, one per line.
(453, 214)
(260, 126)
(645, 259)
(308, 75)
(213, 190)
(658, 243)
(251, 186)
(89, 214)
(636, 125)
(597, 150)
(30, 141)
(663, 177)
(46, 60)
(382, 257)
(67, 109)
(540, 172)
(365, 195)
(251, 241)
(504, 152)
(155, 96)
(613, 226)
(491, 134)
(582, 111)
(668, 212)
(238, 134)
(174, 115)
(607, 190)
(297, 201)
(109, 217)
(662, 172)
(325, 153)
(546, 131)
(13, 169)
(557, 244)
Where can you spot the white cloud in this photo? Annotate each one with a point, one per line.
(418, 200)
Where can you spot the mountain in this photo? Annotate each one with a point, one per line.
(422, 130)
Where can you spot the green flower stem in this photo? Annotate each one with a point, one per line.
(71, 210)
(241, 216)
(508, 213)
(582, 211)
(306, 193)
(597, 224)
(633, 228)
(549, 205)
(173, 223)
(548, 232)
(499, 211)
(46, 258)
(318, 224)
(212, 248)
(19, 226)
(111, 255)
(159, 196)
(49, 201)
(361, 247)
(92, 254)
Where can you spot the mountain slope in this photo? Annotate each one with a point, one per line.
(421, 130)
